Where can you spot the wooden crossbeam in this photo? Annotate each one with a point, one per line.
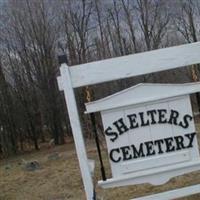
(134, 65)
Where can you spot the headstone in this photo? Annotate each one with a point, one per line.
(54, 156)
(31, 165)
(8, 166)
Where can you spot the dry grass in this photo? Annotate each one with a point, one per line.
(60, 179)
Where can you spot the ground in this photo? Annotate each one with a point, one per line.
(60, 179)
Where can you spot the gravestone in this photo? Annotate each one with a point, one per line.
(31, 165)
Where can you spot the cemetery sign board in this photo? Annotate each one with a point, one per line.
(150, 133)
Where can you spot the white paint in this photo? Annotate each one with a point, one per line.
(65, 84)
(150, 163)
(178, 193)
(60, 83)
(159, 168)
(114, 69)
(156, 176)
(142, 93)
(134, 65)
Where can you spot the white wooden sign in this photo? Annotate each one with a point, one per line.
(150, 133)
(130, 66)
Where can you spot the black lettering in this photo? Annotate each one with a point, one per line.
(143, 123)
(152, 113)
(110, 133)
(173, 117)
(169, 145)
(186, 120)
(179, 142)
(126, 153)
(158, 143)
(132, 120)
(138, 153)
(150, 150)
(120, 125)
(161, 115)
(111, 155)
(191, 139)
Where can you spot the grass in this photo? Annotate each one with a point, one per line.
(60, 179)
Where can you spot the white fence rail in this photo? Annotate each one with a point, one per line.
(134, 65)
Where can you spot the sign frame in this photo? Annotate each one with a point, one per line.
(115, 69)
(122, 103)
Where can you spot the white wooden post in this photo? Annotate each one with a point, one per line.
(64, 82)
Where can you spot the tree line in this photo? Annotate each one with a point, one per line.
(34, 32)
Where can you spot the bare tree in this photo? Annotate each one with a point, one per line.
(153, 20)
(35, 33)
(186, 21)
(128, 10)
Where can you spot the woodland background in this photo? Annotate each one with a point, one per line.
(34, 32)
